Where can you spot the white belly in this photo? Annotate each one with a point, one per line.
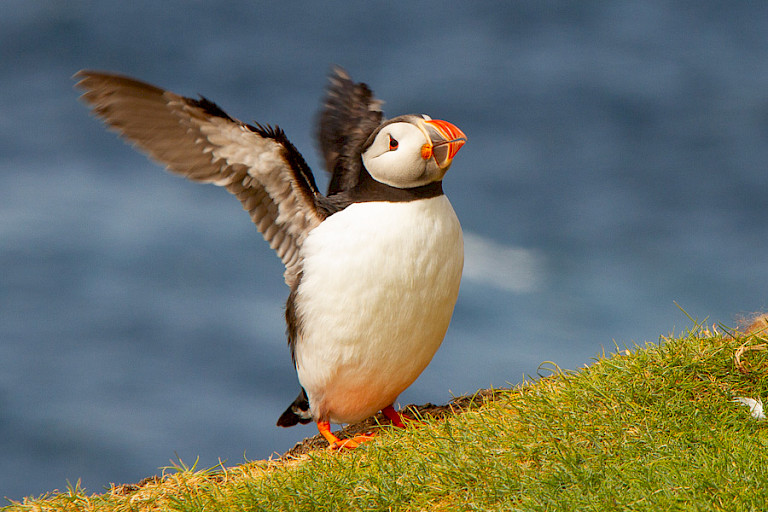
(379, 284)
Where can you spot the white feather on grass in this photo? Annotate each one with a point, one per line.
(755, 406)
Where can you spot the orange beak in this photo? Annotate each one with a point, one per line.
(445, 140)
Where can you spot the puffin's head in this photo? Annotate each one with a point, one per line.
(410, 151)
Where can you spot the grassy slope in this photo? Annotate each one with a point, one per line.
(654, 429)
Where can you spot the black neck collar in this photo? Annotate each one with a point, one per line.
(368, 189)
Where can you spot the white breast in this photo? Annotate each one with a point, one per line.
(379, 284)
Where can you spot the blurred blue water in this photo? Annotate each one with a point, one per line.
(615, 164)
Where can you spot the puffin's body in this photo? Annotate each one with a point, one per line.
(379, 285)
(374, 266)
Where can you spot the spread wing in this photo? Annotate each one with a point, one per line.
(350, 114)
(196, 139)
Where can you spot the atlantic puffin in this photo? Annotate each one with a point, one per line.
(373, 266)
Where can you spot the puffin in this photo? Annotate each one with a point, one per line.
(373, 266)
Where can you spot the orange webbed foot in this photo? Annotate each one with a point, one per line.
(334, 443)
(350, 443)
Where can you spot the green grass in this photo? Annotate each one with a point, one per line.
(650, 429)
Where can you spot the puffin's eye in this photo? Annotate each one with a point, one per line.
(392, 143)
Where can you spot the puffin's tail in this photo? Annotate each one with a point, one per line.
(297, 412)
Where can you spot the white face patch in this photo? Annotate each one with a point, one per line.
(395, 157)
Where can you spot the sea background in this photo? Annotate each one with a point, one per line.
(615, 175)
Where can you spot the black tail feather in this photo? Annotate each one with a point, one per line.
(297, 412)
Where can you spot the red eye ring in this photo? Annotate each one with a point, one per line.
(393, 143)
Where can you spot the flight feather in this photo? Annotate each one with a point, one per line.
(350, 114)
(197, 139)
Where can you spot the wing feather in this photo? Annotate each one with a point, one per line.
(198, 140)
(350, 114)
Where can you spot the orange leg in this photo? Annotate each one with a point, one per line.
(335, 443)
(395, 417)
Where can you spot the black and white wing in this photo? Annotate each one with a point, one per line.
(349, 116)
(196, 139)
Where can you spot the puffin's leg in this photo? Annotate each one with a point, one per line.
(395, 417)
(335, 443)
